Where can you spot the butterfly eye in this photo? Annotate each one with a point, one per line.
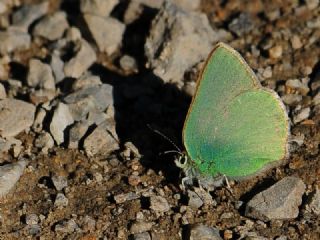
(183, 160)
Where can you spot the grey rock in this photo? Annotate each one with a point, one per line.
(159, 204)
(32, 219)
(101, 141)
(202, 232)
(12, 40)
(176, 34)
(77, 131)
(98, 7)
(52, 27)
(124, 197)
(313, 205)
(68, 226)
(140, 227)
(33, 229)
(44, 141)
(96, 98)
(301, 115)
(27, 14)
(194, 201)
(15, 116)
(57, 66)
(59, 182)
(107, 32)
(61, 201)
(280, 201)
(60, 120)
(142, 236)
(3, 93)
(9, 175)
(86, 80)
(291, 99)
(83, 59)
(128, 63)
(40, 75)
(242, 24)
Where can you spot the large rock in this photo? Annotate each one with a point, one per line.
(178, 40)
(280, 201)
(15, 116)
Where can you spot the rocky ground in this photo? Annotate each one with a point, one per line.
(82, 81)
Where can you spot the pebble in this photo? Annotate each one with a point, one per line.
(101, 8)
(194, 201)
(100, 142)
(52, 27)
(27, 14)
(291, 99)
(140, 227)
(202, 232)
(77, 131)
(276, 52)
(312, 4)
(3, 93)
(38, 121)
(57, 66)
(44, 141)
(124, 197)
(59, 182)
(42, 96)
(61, 201)
(280, 201)
(133, 12)
(301, 115)
(60, 120)
(142, 236)
(67, 226)
(107, 32)
(9, 175)
(134, 180)
(316, 99)
(191, 40)
(128, 63)
(33, 229)
(86, 80)
(83, 59)
(314, 202)
(40, 75)
(12, 40)
(73, 34)
(159, 204)
(297, 85)
(242, 24)
(88, 224)
(32, 219)
(296, 42)
(3, 7)
(15, 117)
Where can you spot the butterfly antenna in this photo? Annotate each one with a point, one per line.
(168, 139)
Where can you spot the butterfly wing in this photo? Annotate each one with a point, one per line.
(234, 126)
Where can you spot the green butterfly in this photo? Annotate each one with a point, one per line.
(234, 127)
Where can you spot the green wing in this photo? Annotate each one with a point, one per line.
(234, 126)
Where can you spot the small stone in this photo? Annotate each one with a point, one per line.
(42, 96)
(306, 70)
(40, 75)
(273, 14)
(124, 197)
(60, 120)
(134, 180)
(88, 224)
(301, 115)
(66, 226)
(267, 72)
(227, 234)
(15, 116)
(73, 34)
(242, 24)
(84, 58)
(52, 27)
(314, 202)
(44, 141)
(9, 175)
(3, 93)
(86, 80)
(140, 227)
(202, 232)
(280, 201)
(276, 51)
(296, 42)
(59, 182)
(77, 131)
(57, 66)
(142, 236)
(38, 121)
(107, 32)
(188, 5)
(291, 99)
(32, 219)
(27, 14)
(128, 63)
(33, 229)
(159, 204)
(3, 7)
(297, 85)
(312, 4)
(61, 201)
(12, 40)
(133, 12)
(194, 200)
(101, 8)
